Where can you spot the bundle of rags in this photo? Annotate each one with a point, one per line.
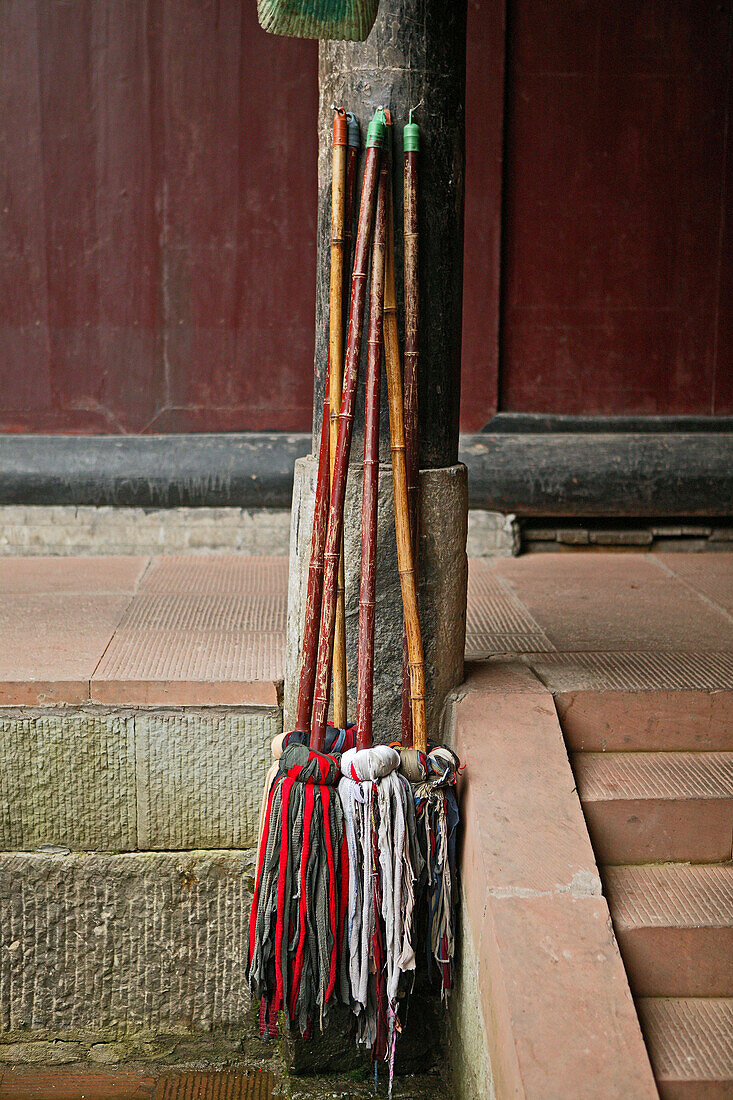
(379, 816)
(296, 923)
(430, 769)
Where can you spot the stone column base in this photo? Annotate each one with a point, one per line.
(443, 580)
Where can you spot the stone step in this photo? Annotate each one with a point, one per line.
(690, 1042)
(648, 806)
(101, 779)
(603, 718)
(674, 924)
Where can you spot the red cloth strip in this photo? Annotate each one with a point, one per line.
(305, 851)
(282, 868)
(326, 799)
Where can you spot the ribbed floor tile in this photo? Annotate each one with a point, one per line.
(160, 611)
(482, 645)
(642, 807)
(690, 1042)
(210, 656)
(216, 574)
(674, 924)
(636, 671)
(671, 895)
(257, 1085)
(35, 1083)
(654, 775)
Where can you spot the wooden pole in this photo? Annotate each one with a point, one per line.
(335, 358)
(410, 136)
(315, 579)
(401, 507)
(367, 586)
(334, 531)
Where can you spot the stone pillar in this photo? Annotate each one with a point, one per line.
(414, 57)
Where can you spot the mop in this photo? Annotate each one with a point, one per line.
(379, 819)
(431, 770)
(296, 920)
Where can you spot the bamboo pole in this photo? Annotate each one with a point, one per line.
(367, 585)
(401, 507)
(411, 143)
(336, 358)
(315, 577)
(334, 530)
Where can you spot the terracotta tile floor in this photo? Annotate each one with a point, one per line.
(211, 629)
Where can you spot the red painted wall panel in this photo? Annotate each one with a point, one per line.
(614, 206)
(158, 209)
(157, 228)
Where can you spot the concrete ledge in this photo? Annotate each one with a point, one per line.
(553, 993)
(97, 947)
(94, 779)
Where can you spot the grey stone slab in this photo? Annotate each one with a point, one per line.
(138, 944)
(92, 779)
(67, 778)
(200, 776)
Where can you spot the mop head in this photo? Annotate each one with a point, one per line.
(338, 740)
(294, 935)
(384, 862)
(433, 780)
(344, 19)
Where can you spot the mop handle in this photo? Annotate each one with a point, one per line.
(336, 358)
(315, 578)
(334, 531)
(367, 584)
(405, 558)
(411, 146)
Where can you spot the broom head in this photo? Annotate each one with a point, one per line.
(344, 19)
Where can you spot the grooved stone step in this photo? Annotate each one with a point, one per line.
(674, 924)
(690, 1042)
(98, 780)
(646, 806)
(123, 946)
(605, 720)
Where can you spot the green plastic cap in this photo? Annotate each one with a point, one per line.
(411, 136)
(377, 130)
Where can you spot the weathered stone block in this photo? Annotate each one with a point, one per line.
(95, 779)
(200, 776)
(67, 779)
(115, 946)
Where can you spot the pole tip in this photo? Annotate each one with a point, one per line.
(377, 130)
(411, 135)
(340, 127)
(354, 130)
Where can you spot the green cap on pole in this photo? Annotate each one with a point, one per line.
(377, 130)
(411, 136)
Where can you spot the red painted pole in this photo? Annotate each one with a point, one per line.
(334, 531)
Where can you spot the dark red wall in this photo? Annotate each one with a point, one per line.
(617, 118)
(158, 198)
(158, 208)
